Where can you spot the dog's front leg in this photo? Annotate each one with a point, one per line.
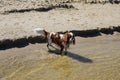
(61, 51)
(66, 47)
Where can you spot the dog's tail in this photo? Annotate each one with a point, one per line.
(39, 31)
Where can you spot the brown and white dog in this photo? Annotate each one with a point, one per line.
(62, 40)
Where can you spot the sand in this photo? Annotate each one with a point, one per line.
(92, 58)
(82, 17)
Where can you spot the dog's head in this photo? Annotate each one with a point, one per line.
(71, 37)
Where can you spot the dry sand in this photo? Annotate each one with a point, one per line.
(83, 17)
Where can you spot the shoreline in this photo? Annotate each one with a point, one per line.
(24, 41)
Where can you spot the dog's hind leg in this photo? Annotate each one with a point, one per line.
(48, 46)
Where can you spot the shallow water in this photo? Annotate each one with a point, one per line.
(92, 58)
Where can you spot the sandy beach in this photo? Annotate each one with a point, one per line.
(96, 56)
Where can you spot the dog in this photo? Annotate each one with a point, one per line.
(61, 40)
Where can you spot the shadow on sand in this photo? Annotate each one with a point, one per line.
(79, 58)
(73, 56)
(95, 32)
(20, 42)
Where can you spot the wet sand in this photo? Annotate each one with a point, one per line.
(92, 58)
